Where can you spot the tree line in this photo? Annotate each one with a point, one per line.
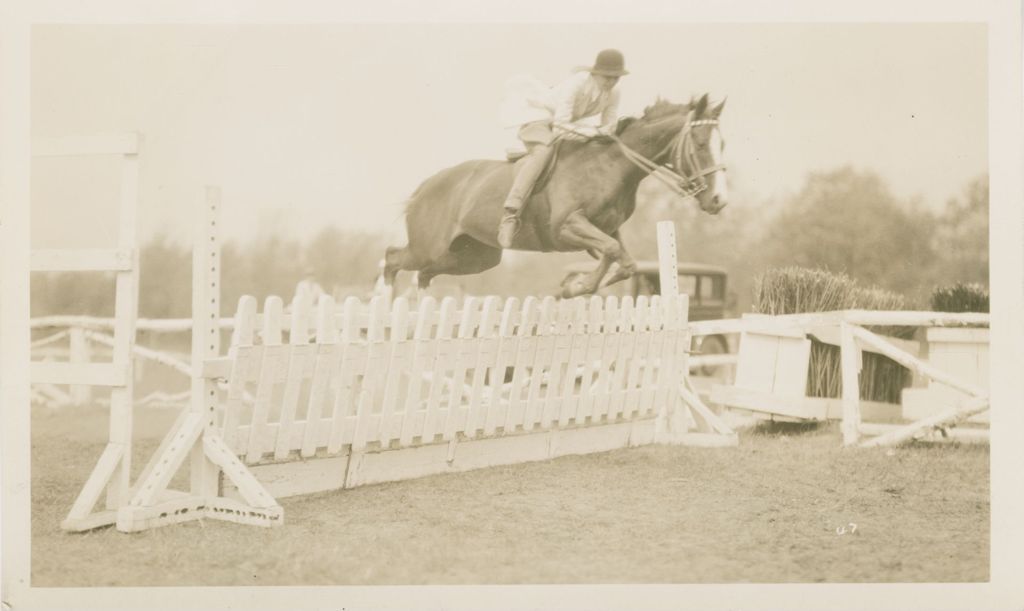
(842, 220)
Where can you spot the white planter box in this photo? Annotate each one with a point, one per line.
(963, 353)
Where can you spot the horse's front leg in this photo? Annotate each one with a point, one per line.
(627, 266)
(588, 283)
(579, 232)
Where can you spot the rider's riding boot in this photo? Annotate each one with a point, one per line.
(509, 227)
(529, 169)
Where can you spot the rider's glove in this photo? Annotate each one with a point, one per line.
(587, 131)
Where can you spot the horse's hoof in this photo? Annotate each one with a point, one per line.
(574, 289)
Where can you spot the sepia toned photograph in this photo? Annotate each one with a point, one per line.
(506, 303)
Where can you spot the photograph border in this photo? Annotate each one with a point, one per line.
(1005, 590)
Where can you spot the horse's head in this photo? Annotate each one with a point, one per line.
(695, 149)
(698, 156)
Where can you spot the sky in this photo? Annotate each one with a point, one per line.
(309, 125)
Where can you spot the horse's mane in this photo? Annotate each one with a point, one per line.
(660, 109)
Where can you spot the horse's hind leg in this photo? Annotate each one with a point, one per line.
(396, 259)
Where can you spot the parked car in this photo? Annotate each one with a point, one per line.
(704, 283)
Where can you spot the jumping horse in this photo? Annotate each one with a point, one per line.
(452, 218)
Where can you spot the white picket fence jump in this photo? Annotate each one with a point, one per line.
(448, 387)
(87, 344)
(377, 392)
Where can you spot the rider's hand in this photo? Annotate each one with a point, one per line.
(605, 133)
(587, 131)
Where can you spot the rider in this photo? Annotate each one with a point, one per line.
(588, 93)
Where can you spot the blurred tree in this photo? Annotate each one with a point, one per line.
(842, 220)
(847, 221)
(961, 237)
(77, 293)
(268, 265)
(165, 279)
(337, 259)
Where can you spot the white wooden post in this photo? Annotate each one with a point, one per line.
(850, 361)
(113, 470)
(670, 417)
(668, 267)
(81, 394)
(126, 312)
(205, 335)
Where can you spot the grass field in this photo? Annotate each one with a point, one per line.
(778, 508)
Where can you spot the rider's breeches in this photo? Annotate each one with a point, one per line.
(532, 165)
(538, 139)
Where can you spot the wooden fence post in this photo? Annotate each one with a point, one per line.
(850, 360)
(81, 394)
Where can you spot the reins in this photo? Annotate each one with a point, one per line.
(683, 149)
(667, 176)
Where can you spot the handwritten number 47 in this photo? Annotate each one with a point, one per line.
(846, 528)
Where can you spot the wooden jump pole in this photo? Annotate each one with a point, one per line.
(196, 436)
(205, 333)
(712, 430)
(112, 473)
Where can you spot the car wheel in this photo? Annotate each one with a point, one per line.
(712, 344)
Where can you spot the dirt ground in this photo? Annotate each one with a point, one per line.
(787, 505)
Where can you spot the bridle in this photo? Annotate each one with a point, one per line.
(686, 150)
(683, 149)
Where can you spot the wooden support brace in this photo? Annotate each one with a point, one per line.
(80, 518)
(710, 421)
(948, 418)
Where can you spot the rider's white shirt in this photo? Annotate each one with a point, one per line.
(578, 97)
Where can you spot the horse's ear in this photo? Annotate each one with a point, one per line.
(623, 124)
(717, 110)
(702, 105)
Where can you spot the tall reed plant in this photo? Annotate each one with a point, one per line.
(794, 290)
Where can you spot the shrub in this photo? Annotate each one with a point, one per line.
(960, 297)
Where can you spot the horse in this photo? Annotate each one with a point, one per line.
(452, 217)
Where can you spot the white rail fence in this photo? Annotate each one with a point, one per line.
(773, 367)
